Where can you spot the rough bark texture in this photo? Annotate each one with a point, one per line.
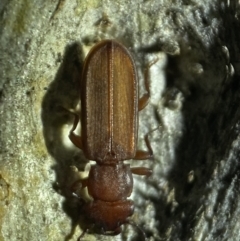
(195, 95)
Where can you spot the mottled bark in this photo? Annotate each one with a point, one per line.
(195, 96)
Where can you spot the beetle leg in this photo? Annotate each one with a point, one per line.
(144, 155)
(143, 101)
(76, 140)
(142, 171)
(75, 186)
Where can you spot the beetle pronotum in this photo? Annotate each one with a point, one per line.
(109, 126)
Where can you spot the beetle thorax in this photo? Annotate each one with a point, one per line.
(110, 182)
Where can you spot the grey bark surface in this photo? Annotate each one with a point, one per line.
(193, 193)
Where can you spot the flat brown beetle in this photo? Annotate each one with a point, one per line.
(109, 126)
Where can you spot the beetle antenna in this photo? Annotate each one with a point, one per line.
(144, 238)
(84, 232)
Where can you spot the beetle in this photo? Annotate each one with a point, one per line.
(109, 129)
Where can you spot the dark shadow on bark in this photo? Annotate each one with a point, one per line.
(209, 113)
(62, 95)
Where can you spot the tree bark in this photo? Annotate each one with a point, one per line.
(195, 96)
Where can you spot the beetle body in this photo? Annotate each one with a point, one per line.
(109, 125)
